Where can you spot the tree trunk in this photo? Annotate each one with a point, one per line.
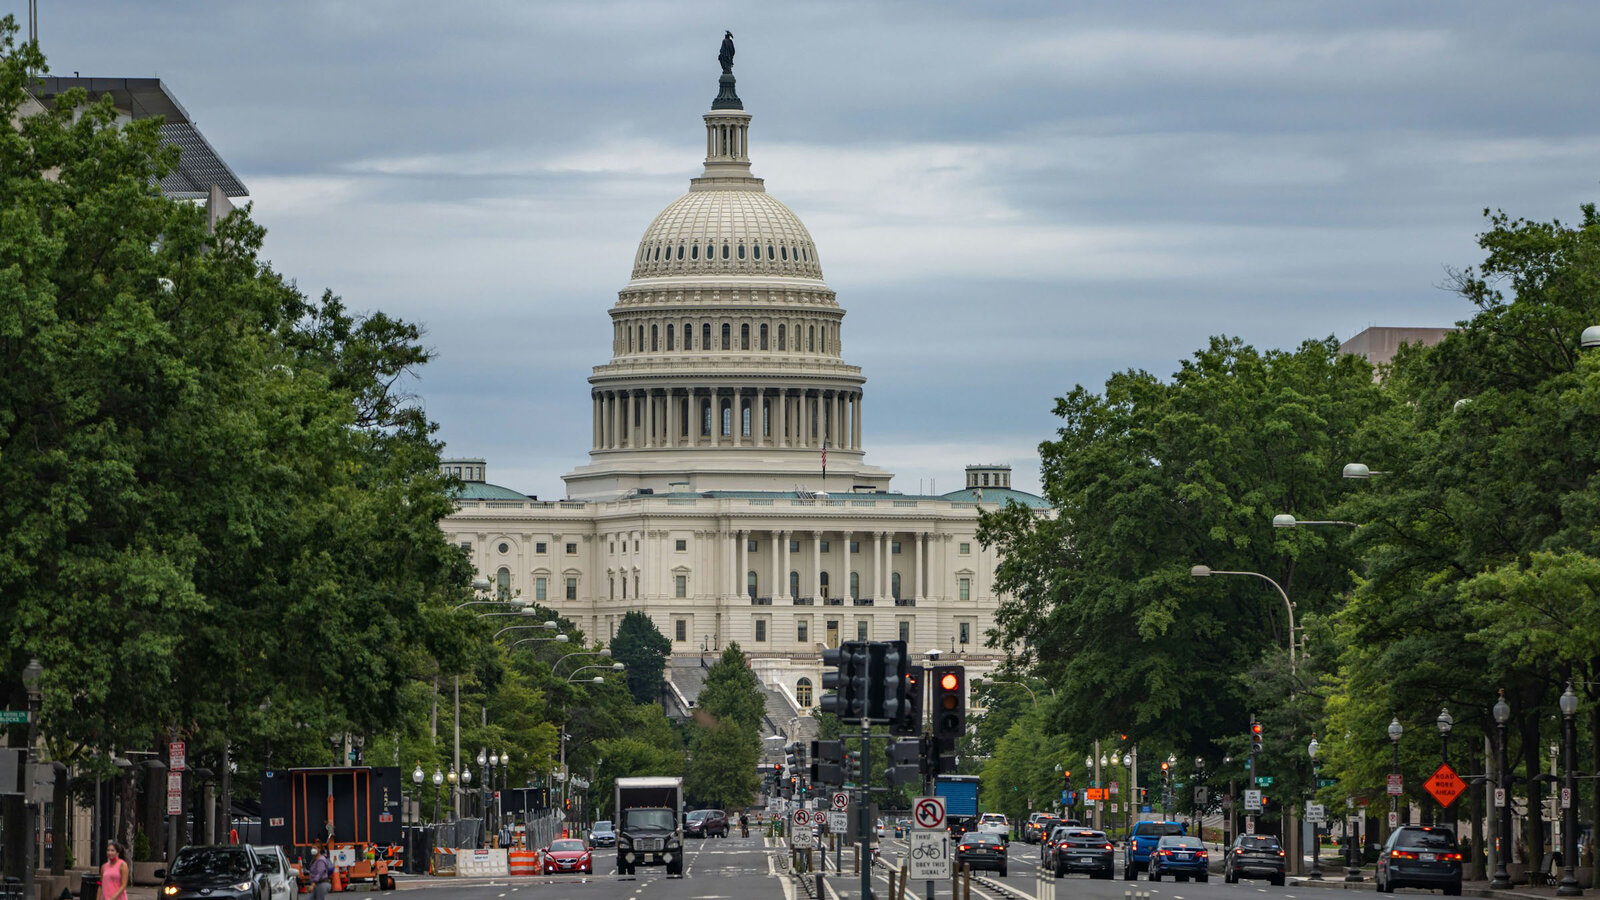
(1533, 832)
(1475, 807)
(155, 808)
(127, 813)
(1594, 792)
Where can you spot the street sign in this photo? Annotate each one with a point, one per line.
(1327, 782)
(801, 817)
(1566, 798)
(838, 821)
(1252, 800)
(1095, 793)
(1394, 819)
(1113, 788)
(174, 793)
(1264, 781)
(930, 855)
(1499, 797)
(176, 759)
(13, 717)
(1316, 812)
(928, 813)
(1397, 784)
(1201, 795)
(1445, 785)
(841, 800)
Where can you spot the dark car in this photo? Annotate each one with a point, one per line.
(982, 850)
(1181, 857)
(1254, 856)
(1038, 826)
(228, 872)
(704, 823)
(1143, 842)
(1421, 856)
(603, 834)
(1083, 850)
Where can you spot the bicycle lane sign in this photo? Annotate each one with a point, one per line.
(930, 855)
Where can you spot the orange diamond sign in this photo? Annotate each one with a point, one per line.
(1445, 785)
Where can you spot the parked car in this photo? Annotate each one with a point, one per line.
(982, 850)
(218, 872)
(1421, 856)
(1083, 850)
(603, 834)
(283, 882)
(1038, 827)
(1254, 856)
(996, 824)
(567, 855)
(704, 823)
(1181, 857)
(1142, 842)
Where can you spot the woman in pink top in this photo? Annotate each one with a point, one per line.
(114, 874)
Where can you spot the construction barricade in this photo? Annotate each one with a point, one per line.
(481, 863)
(523, 862)
(443, 862)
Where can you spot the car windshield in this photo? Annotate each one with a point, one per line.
(1180, 841)
(1157, 829)
(697, 815)
(602, 825)
(648, 818)
(566, 845)
(221, 863)
(1086, 835)
(1258, 843)
(1426, 837)
(267, 861)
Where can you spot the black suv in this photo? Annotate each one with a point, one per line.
(1254, 856)
(1082, 850)
(225, 872)
(1421, 856)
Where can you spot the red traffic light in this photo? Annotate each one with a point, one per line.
(950, 681)
(1255, 727)
(1163, 767)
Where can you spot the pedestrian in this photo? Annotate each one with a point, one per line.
(744, 824)
(114, 874)
(320, 873)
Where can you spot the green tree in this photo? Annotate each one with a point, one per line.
(1150, 478)
(640, 645)
(732, 693)
(722, 766)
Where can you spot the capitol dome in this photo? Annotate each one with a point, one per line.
(722, 232)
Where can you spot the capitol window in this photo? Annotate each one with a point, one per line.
(572, 588)
(802, 692)
(711, 251)
(669, 337)
(680, 586)
(861, 630)
(538, 547)
(750, 584)
(794, 547)
(680, 545)
(781, 342)
(855, 585)
(811, 340)
(761, 631)
(794, 584)
(680, 251)
(966, 588)
(824, 585)
(539, 590)
(894, 585)
(724, 251)
(965, 636)
(855, 546)
(966, 548)
(694, 252)
(755, 251)
(572, 549)
(823, 547)
(763, 337)
(802, 630)
(655, 337)
(785, 251)
(502, 583)
(680, 630)
(769, 252)
(727, 336)
(744, 336)
(741, 251)
(905, 630)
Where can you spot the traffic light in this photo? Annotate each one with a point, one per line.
(847, 680)
(904, 767)
(909, 722)
(887, 698)
(791, 755)
(1255, 737)
(1066, 778)
(1165, 771)
(827, 762)
(949, 711)
(852, 766)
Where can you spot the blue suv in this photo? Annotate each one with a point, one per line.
(1136, 856)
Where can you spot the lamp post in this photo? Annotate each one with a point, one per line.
(1133, 791)
(1316, 827)
(31, 675)
(452, 778)
(1207, 572)
(438, 779)
(1502, 878)
(1395, 731)
(483, 787)
(1445, 723)
(1569, 797)
(417, 777)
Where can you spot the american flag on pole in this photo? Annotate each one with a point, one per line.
(824, 459)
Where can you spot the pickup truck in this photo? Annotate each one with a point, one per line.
(1136, 856)
(649, 824)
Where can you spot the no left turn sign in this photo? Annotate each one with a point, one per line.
(928, 813)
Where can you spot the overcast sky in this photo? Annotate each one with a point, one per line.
(1009, 198)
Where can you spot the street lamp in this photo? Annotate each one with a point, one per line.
(417, 777)
(438, 779)
(1359, 470)
(605, 653)
(1316, 827)
(1207, 572)
(1502, 878)
(1395, 731)
(1445, 723)
(1569, 797)
(547, 626)
(32, 673)
(1284, 520)
(452, 778)
(978, 682)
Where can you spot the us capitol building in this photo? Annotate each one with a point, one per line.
(703, 502)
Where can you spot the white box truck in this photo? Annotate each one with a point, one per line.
(649, 824)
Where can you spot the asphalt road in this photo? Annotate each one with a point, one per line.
(731, 868)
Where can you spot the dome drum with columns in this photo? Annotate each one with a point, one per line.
(703, 502)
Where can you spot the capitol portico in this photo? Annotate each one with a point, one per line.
(727, 493)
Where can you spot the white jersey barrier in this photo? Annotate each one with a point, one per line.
(482, 863)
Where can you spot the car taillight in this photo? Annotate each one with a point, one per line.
(1402, 854)
(1109, 847)
(1280, 851)
(1165, 852)
(1201, 854)
(1450, 857)
(964, 847)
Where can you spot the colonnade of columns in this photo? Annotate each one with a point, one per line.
(876, 582)
(650, 418)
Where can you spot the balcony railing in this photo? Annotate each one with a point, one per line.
(804, 601)
(760, 601)
(905, 601)
(833, 601)
(862, 601)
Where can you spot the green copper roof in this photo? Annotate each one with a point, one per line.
(482, 490)
(999, 496)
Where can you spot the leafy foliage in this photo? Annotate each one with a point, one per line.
(641, 645)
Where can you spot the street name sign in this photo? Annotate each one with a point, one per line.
(1252, 800)
(841, 800)
(1316, 812)
(1327, 782)
(930, 855)
(1445, 785)
(1264, 780)
(13, 717)
(927, 814)
(1397, 784)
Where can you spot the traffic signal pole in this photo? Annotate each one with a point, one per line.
(864, 814)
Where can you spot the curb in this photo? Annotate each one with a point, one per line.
(1339, 884)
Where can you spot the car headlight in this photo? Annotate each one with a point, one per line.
(672, 842)
(241, 886)
(170, 890)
